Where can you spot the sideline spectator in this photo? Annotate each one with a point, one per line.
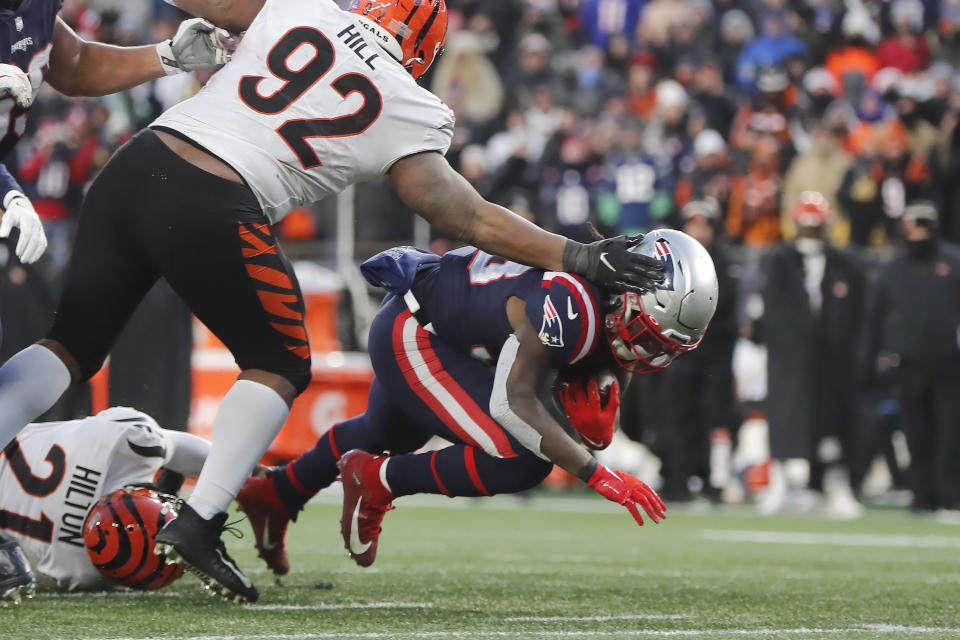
(821, 170)
(905, 49)
(754, 214)
(813, 308)
(698, 392)
(915, 321)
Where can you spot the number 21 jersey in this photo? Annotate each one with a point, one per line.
(51, 474)
(308, 105)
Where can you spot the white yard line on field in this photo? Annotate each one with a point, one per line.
(119, 593)
(346, 605)
(837, 539)
(872, 629)
(638, 616)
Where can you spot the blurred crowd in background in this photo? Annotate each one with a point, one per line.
(811, 145)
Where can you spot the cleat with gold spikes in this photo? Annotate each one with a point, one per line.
(16, 579)
(195, 543)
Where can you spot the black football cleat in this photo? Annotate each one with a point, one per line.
(194, 542)
(16, 579)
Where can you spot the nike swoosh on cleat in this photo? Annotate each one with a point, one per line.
(606, 263)
(356, 547)
(266, 544)
(240, 576)
(570, 314)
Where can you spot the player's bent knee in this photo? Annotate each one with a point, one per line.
(300, 379)
(289, 383)
(532, 472)
(81, 368)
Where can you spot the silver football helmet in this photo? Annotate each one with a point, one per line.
(650, 330)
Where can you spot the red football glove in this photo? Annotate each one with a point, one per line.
(585, 411)
(629, 491)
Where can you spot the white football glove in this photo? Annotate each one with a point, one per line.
(196, 45)
(14, 83)
(18, 212)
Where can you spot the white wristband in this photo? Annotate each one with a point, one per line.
(10, 197)
(167, 60)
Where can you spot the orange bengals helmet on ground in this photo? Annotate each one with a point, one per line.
(411, 31)
(119, 535)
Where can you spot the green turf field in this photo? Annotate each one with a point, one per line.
(558, 567)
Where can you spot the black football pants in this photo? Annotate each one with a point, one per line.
(150, 215)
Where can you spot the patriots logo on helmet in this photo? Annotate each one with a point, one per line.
(551, 331)
(666, 257)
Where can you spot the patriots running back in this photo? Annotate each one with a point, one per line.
(462, 348)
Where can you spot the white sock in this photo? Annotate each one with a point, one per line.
(30, 383)
(250, 416)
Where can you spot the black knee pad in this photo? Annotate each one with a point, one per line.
(88, 361)
(299, 377)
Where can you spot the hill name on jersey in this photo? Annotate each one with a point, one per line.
(308, 105)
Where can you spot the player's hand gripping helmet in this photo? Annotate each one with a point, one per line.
(119, 535)
(650, 330)
(411, 31)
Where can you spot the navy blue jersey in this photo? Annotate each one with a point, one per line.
(466, 300)
(25, 41)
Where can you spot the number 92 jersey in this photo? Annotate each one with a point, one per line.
(53, 472)
(308, 105)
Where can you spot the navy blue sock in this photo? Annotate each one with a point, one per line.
(460, 470)
(316, 469)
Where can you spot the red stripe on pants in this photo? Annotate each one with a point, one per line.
(470, 461)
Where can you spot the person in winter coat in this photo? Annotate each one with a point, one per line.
(813, 309)
(913, 334)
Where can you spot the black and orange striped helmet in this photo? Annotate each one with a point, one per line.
(411, 31)
(119, 535)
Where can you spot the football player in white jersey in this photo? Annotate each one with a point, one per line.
(52, 473)
(314, 99)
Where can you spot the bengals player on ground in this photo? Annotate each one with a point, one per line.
(53, 472)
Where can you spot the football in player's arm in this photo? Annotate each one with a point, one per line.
(46, 48)
(53, 474)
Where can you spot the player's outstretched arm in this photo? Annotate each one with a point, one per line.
(429, 186)
(82, 68)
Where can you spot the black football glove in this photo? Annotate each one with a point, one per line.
(610, 264)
